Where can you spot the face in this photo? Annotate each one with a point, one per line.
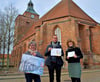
(55, 39)
(32, 47)
(70, 44)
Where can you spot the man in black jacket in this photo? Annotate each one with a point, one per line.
(54, 62)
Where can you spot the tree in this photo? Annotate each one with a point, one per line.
(3, 32)
(7, 25)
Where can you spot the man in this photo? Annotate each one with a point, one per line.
(54, 62)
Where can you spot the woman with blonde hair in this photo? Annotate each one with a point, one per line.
(32, 51)
(74, 57)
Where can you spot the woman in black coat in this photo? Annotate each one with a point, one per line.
(54, 62)
(74, 58)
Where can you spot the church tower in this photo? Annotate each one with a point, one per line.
(24, 22)
(30, 12)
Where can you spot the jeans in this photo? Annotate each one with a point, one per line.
(29, 77)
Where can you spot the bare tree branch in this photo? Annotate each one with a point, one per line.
(7, 29)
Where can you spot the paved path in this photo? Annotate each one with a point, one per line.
(87, 76)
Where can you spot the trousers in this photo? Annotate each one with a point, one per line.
(29, 77)
(51, 69)
(75, 79)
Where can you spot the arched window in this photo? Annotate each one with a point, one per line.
(58, 33)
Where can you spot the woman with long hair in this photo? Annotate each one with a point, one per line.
(74, 58)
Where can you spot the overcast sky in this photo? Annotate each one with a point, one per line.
(91, 7)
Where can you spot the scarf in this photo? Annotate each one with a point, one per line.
(55, 44)
(32, 51)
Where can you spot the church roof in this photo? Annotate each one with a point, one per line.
(30, 8)
(65, 8)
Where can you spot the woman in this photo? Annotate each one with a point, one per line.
(32, 51)
(74, 57)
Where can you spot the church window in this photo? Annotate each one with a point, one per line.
(58, 33)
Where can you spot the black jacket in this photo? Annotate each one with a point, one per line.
(77, 52)
(56, 59)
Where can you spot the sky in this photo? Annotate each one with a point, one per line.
(91, 7)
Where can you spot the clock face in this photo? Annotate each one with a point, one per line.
(32, 16)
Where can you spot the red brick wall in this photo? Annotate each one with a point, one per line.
(46, 31)
(95, 36)
(23, 23)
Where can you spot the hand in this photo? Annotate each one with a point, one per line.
(49, 49)
(34, 54)
(75, 56)
(67, 57)
(82, 66)
(58, 56)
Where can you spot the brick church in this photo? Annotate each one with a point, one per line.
(66, 20)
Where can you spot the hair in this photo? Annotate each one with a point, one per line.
(70, 41)
(31, 42)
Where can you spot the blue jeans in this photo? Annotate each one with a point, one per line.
(29, 77)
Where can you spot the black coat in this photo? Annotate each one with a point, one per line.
(56, 59)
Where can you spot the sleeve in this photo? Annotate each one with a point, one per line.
(39, 55)
(47, 53)
(66, 55)
(80, 53)
(62, 52)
